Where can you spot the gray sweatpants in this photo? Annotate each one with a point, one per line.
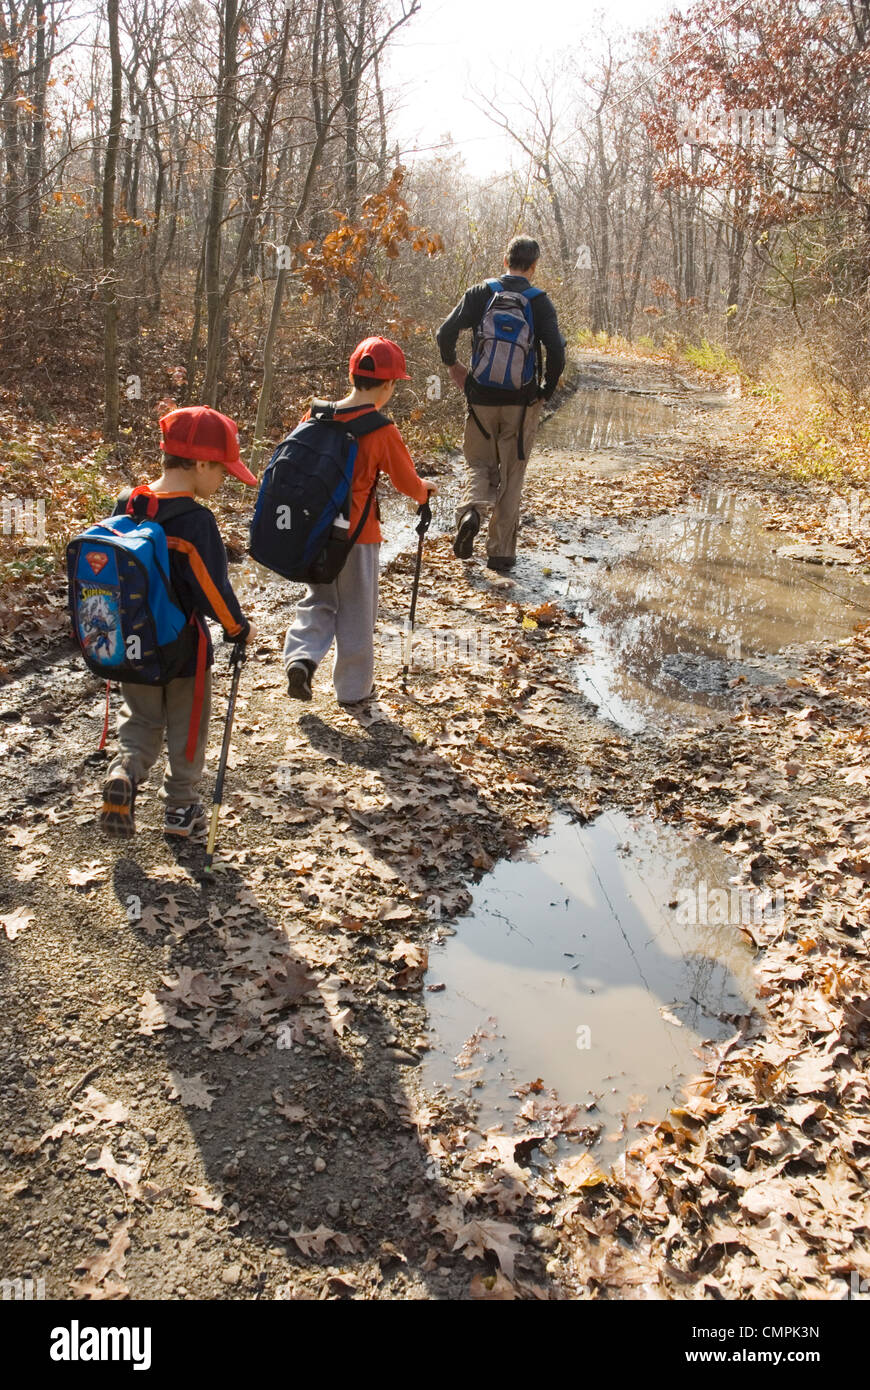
(345, 611)
(149, 712)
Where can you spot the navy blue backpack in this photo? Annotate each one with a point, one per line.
(301, 523)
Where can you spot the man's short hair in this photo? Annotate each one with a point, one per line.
(174, 461)
(522, 253)
(366, 383)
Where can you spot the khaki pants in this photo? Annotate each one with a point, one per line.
(149, 712)
(495, 472)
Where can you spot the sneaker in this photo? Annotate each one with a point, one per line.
(500, 563)
(185, 820)
(469, 525)
(119, 798)
(299, 675)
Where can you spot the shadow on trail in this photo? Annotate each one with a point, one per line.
(436, 831)
(308, 1136)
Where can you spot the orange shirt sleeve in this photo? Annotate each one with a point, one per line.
(394, 460)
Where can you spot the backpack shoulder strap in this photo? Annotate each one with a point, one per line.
(365, 424)
(532, 292)
(176, 506)
(495, 285)
(322, 410)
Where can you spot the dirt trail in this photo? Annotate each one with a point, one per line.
(211, 1089)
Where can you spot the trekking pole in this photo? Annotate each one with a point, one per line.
(236, 659)
(424, 512)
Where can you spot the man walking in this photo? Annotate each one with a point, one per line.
(511, 321)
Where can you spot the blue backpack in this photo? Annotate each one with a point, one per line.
(505, 350)
(301, 523)
(126, 619)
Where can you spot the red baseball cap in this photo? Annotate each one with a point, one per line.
(198, 432)
(379, 358)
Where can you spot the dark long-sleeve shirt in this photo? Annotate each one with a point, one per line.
(468, 314)
(197, 566)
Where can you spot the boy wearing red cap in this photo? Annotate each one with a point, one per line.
(201, 447)
(345, 611)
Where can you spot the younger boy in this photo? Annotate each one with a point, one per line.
(201, 448)
(346, 610)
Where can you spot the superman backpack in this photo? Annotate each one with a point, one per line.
(126, 619)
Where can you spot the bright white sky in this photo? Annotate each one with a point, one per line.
(454, 44)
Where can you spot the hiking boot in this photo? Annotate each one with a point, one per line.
(469, 525)
(185, 820)
(500, 563)
(119, 798)
(299, 675)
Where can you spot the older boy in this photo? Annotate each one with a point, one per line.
(346, 610)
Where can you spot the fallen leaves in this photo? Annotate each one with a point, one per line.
(126, 1175)
(191, 1090)
(91, 873)
(577, 1174)
(13, 923)
(315, 1242)
(202, 1197)
(416, 963)
(101, 1110)
(475, 1237)
(99, 1267)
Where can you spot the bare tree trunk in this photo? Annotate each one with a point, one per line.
(109, 286)
(193, 350)
(12, 143)
(382, 125)
(214, 227)
(257, 198)
(350, 51)
(37, 132)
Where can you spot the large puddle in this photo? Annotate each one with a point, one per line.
(598, 965)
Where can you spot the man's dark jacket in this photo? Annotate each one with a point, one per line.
(468, 313)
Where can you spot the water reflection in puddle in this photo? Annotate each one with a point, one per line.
(602, 418)
(679, 608)
(581, 936)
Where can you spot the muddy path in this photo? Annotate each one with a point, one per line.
(453, 971)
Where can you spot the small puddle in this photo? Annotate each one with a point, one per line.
(572, 967)
(603, 417)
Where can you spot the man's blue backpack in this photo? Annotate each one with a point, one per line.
(504, 352)
(301, 523)
(125, 616)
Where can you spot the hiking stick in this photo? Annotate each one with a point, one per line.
(424, 512)
(236, 659)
